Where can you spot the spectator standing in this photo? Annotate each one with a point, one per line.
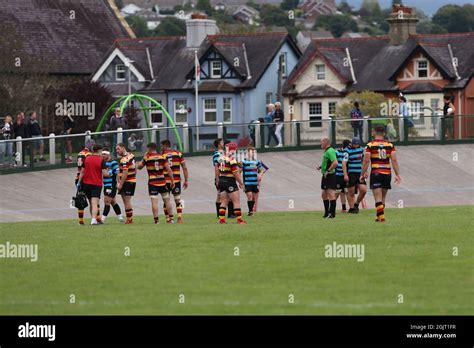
(278, 118)
(118, 121)
(271, 127)
(404, 111)
(68, 127)
(357, 123)
(6, 149)
(20, 129)
(35, 131)
(448, 112)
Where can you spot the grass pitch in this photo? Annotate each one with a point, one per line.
(281, 254)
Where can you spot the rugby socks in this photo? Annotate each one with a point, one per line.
(222, 214)
(230, 211)
(251, 204)
(117, 209)
(106, 210)
(98, 214)
(156, 219)
(380, 211)
(80, 214)
(218, 206)
(129, 213)
(179, 208)
(165, 211)
(238, 214)
(344, 207)
(326, 207)
(332, 207)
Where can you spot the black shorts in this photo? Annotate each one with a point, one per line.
(340, 183)
(328, 182)
(110, 192)
(354, 180)
(128, 189)
(229, 186)
(378, 180)
(251, 188)
(155, 190)
(91, 191)
(176, 190)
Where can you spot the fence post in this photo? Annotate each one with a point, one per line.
(443, 129)
(19, 152)
(405, 131)
(258, 143)
(401, 129)
(262, 137)
(224, 132)
(185, 138)
(298, 134)
(190, 140)
(293, 132)
(62, 146)
(87, 137)
(332, 131)
(220, 130)
(369, 129)
(153, 133)
(119, 135)
(365, 130)
(52, 149)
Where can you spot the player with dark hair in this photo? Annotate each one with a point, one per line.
(328, 181)
(176, 162)
(218, 151)
(156, 164)
(352, 170)
(127, 179)
(252, 171)
(110, 186)
(381, 155)
(228, 176)
(80, 163)
(341, 155)
(90, 181)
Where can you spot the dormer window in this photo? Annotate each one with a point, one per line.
(422, 68)
(120, 72)
(320, 72)
(216, 69)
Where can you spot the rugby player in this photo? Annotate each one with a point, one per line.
(218, 151)
(227, 174)
(328, 181)
(381, 156)
(110, 186)
(252, 170)
(156, 164)
(127, 179)
(80, 162)
(176, 162)
(90, 181)
(352, 171)
(341, 155)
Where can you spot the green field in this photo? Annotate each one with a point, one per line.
(280, 254)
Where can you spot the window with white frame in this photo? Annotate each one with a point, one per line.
(315, 115)
(181, 110)
(216, 69)
(120, 71)
(156, 115)
(227, 109)
(416, 111)
(332, 108)
(210, 110)
(320, 72)
(422, 68)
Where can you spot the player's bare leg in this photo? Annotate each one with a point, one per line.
(351, 197)
(154, 208)
(250, 201)
(94, 205)
(168, 207)
(179, 208)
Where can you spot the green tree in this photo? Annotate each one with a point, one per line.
(119, 3)
(344, 7)
(271, 15)
(397, 2)
(455, 19)
(138, 25)
(289, 4)
(205, 6)
(336, 24)
(170, 26)
(428, 27)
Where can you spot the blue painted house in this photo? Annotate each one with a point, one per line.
(239, 76)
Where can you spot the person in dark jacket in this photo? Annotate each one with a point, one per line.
(20, 129)
(356, 123)
(35, 132)
(68, 127)
(118, 121)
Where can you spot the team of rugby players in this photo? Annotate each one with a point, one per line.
(344, 168)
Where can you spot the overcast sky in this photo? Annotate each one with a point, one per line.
(429, 7)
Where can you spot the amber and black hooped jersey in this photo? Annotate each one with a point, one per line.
(155, 166)
(81, 156)
(380, 155)
(128, 162)
(175, 159)
(227, 166)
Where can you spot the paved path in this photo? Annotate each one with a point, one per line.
(431, 176)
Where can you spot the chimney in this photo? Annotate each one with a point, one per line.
(402, 23)
(197, 29)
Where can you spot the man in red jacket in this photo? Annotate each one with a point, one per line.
(90, 180)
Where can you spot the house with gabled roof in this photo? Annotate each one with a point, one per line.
(239, 74)
(422, 67)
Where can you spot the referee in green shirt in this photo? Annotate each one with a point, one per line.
(328, 181)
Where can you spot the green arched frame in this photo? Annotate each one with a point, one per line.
(123, 101)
